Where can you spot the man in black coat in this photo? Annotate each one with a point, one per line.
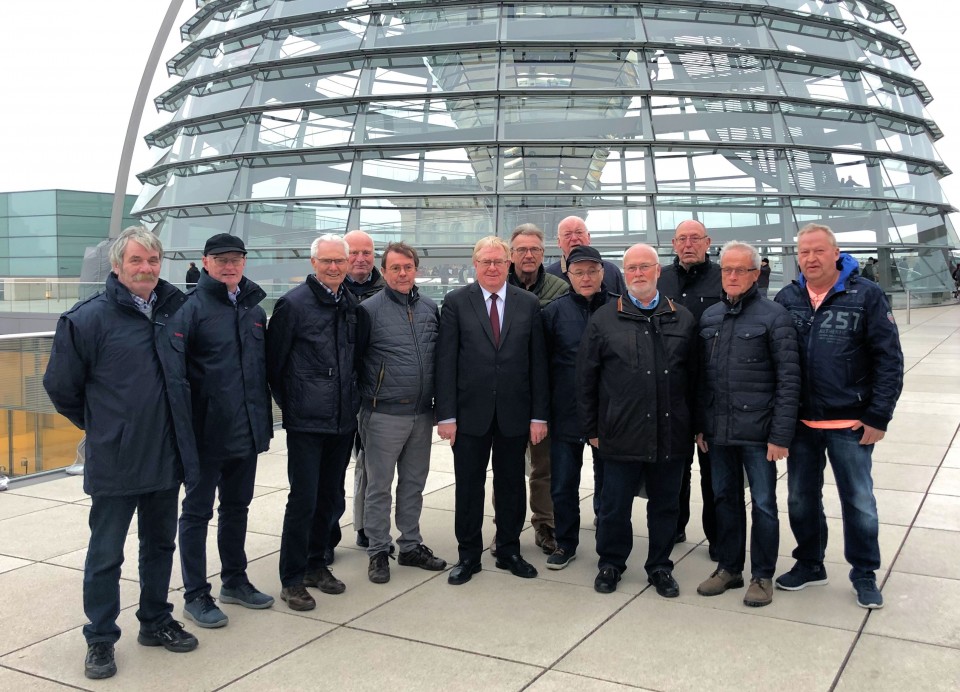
(693, 281)
(636, 370)
(193, 275)
(311, 370)
(572, 232)
(491, 393)
(223, 326)
(117, 372)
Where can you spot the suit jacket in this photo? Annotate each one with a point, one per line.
(475, 380)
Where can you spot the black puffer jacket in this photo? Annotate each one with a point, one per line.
(635, 379)
(121, 377)
(564, 322)
(750, 373)
(227, 368)
(310, 359)
(696, 288)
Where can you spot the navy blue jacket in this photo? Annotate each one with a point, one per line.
(227, 369)
(750, 373)
(850, 355)
(564, 322)
(121, 377)
(310, 359)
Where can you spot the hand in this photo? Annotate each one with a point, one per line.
(594, 442)
(702, 443)
(447, 431)
(538, 431)
(776, 452)
(871, 436)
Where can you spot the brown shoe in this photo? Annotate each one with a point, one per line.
(760, 593)
(324, 580)
(720, 581)
(545, 539)
(297, 597)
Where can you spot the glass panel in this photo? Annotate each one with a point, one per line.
(206, 188)
(900, 137)
(433, 26)
(546, 68)
(853, 221)
(32, 203)
(401, 74)
(714, 119)
(244, 14)
(911, 181)
(821, 82)
(829, 127)
(750, 219)
(573, 117)
(562, 22)
(917, 223)
(883, 54)
(192, 144)
(84, 227)
(704, 27)
(445, 170)
(31, 226)
(296, 128)
(813, 39)
(885, 93)
(148, 198)
(571, 169)
(344, 34)
(308, 176)
(294, 8)
(32, 246)
(84, 203)
(730, 73)
(421, 221)
(467, 71)
(306, 83)
(432, 121)
(186, 233)
(713, 169)
(220, 59)
(829, 173)
(196, 106)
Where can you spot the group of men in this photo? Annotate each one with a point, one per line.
(527, 361)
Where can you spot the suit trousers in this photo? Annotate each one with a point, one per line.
(471, 453)
(541, 503)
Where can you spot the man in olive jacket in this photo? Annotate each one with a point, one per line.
(635, 373)
(224, 327)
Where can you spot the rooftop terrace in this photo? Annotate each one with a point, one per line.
(550, 633)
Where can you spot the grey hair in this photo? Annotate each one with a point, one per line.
(527, 229)
(329, 238)
(746, 247)
(139, 234)
(813, 227)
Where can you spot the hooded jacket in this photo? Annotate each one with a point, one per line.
(850, 356)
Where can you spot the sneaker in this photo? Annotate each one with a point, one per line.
(868, 595)
(760, 593)
(606, 581)
(545, 539)
(800, 577)
(297, 597)
(379, 569)
(324, 580)
(720, 581)
(422, 557)
(171, 636)
(205, 613)
(246, 595)
(560, 559)
(100, 662)
(362, 539)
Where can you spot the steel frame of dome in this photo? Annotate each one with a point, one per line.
(437, 122)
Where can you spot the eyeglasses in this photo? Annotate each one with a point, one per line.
(684, 239)
(325, 262)
(231, 261)
(640, 267)
(524, 250)
(739, 271)
(587, 272)
(486, 264)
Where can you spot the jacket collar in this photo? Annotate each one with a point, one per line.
(696, 269)
(403, 298)
(249, 291)
(512, 278)
(120, 294)
(748, 297)
(626, 308)
(596, 300)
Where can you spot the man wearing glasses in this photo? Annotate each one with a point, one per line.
(693, 281)
(492, 393)
(634, 382)
(527, 272)
(223, 328)
(310, 367)
(571, 232)
(749, 395)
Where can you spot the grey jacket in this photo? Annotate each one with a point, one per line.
(396, 339)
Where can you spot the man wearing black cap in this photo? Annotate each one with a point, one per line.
(223, 327)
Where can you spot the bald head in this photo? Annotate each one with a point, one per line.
(572, 231)
(690, 242)
(361, 255)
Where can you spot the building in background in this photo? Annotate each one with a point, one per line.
(439, 122)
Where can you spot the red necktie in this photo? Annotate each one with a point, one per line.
(495, 320)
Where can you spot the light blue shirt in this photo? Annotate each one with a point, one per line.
(653, 303)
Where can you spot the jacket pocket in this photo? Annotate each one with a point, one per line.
(751, 344)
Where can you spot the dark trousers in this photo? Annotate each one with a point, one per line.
(709, 515)
(232, 480)
(615, 527)
(109, 521)
(566, 463)
(316, 466)
(471, 454)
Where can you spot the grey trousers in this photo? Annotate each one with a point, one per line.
(402, 444)
(359, 483)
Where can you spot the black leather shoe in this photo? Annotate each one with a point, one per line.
(681, 537)
(664, 583)
(463, 571)
(606, 581)
(517, 565)
(328, 557)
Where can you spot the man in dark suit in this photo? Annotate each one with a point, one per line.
(492, 393)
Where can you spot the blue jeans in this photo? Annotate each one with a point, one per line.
(851, 463)
(566, 461)
(109, 520)
(728, 464)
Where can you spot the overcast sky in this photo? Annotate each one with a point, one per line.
(71, 70)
